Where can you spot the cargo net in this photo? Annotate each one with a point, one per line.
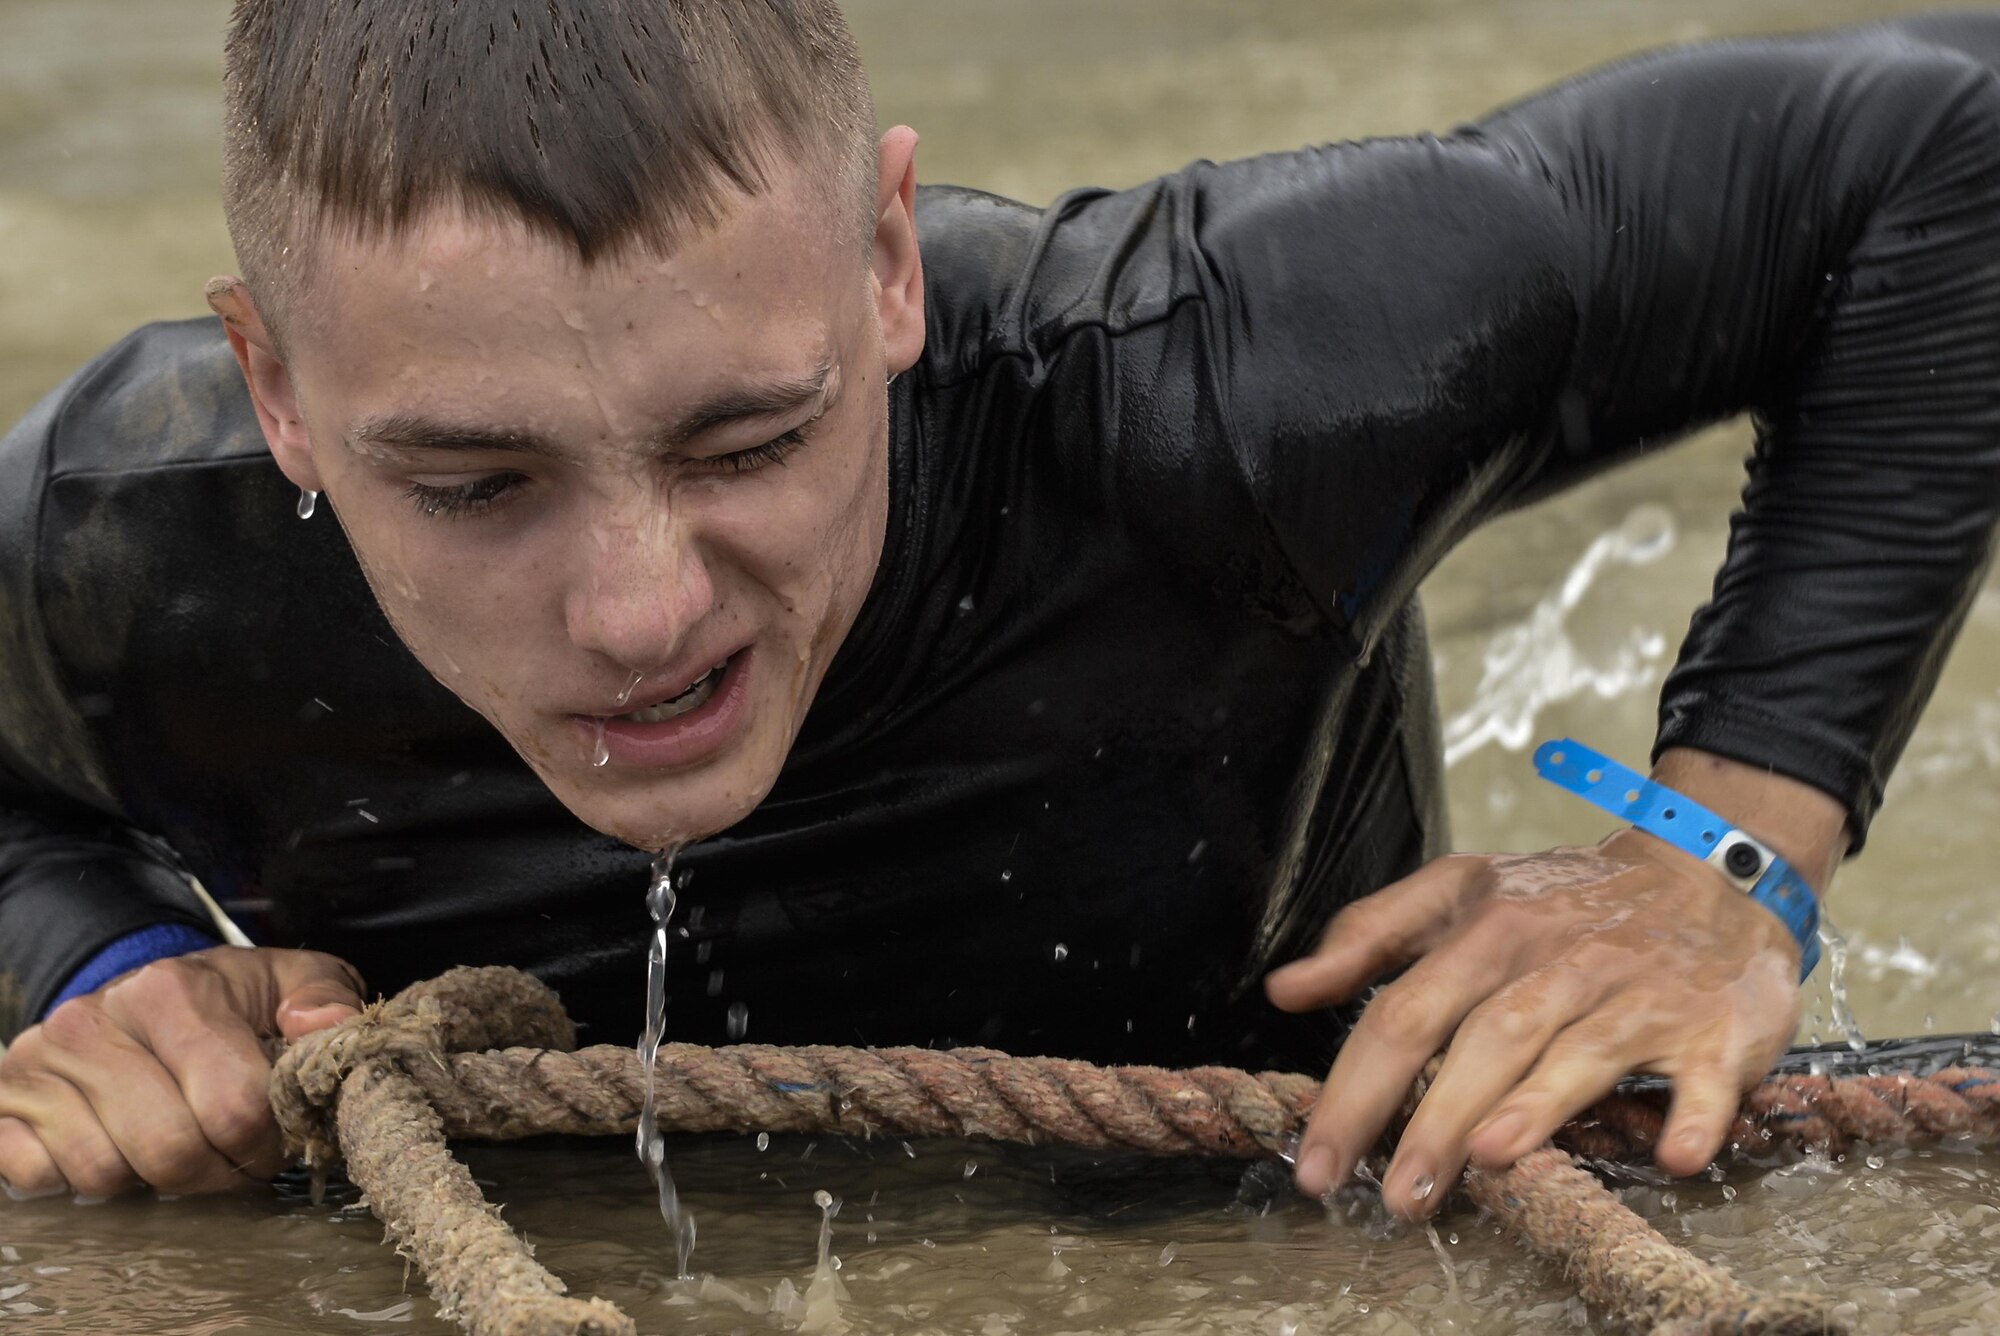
(489, 1054)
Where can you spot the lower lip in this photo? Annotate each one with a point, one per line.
(684, 740)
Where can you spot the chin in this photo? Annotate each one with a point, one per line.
(664, 815)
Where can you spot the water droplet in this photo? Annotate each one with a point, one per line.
(763, 1141)
(1006, 874)
(1420, 1188)
(971, 1168)
(1167, 1253)
(1200, 848)
(965, 604)
(823, 1199)
(1451, 1238)
(1062, 952)
(630, 686)
(715, 983)
(909, 1150)
(1728, 1192)
(1668, 1201)
(308, 502)
(1875, 1161)
(738, 1020)
(1361, 1308)
(600, 755)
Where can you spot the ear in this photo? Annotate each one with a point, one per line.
(271, 388)
(899, 269)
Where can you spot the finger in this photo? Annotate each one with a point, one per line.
(315, 991)
(1580, 1067)
(188, 1021)
(310, 1009)
(62, 1121)
(1375, 934)
(1706, 1096)
(1496, 1045)
(26, 1171)
(132, 1100)
(1403, 1026)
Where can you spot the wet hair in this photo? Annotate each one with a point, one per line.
(614, 127)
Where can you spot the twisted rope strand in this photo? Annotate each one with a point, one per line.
(386, 1088)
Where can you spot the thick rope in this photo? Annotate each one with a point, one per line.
(386, 1088)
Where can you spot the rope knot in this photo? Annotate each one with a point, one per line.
(466, 1009)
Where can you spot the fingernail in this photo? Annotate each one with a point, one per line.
(15, 1194)
(1315, 1174)
(1421, 1187)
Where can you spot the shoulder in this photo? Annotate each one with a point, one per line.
(1007, 280)
(168, 393)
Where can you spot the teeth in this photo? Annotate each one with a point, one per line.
(693, 698)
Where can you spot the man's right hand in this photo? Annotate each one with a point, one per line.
(159, 1077)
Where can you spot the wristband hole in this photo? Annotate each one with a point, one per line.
(1631, 795)
(1668, 814)
(1594, 776)
(1555, 758)
(1708, 837)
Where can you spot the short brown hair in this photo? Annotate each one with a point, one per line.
(612, 126)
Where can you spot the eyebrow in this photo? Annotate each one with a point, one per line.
(739, 403)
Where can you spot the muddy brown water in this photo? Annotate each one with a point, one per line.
(108, 162)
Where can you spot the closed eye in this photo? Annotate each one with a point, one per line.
(465, 499)
(773, 451)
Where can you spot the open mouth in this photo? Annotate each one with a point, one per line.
(697, 695)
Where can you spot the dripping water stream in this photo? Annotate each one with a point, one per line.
(651, 1145)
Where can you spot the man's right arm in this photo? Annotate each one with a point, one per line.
(150, 1070)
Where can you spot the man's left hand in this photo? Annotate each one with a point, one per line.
(1550, 976)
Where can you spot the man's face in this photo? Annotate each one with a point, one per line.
(627, 513)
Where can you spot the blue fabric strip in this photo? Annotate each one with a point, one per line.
(129, 953)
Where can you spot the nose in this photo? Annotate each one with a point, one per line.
(641, 588)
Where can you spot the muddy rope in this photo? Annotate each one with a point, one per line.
(489, 1054)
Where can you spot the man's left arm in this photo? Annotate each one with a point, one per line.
(1809, 231)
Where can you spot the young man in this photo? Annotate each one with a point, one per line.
(1017, 638)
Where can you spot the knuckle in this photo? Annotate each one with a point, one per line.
(162, 982)
(1401, 1016)
(237, 1122)
(98, 1173)
(77, 1025)
(1509, 1025)
(178, 1159)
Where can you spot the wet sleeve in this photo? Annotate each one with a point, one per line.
(1804, 230)
(73, 878)
(71, 891)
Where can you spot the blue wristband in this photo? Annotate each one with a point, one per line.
(141, 947)
(1656, 809)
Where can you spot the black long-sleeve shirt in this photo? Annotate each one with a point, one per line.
(1140, 693)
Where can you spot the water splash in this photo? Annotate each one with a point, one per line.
(1535, 663)
(308, 502)
(631, 685)
(651, 1145)
(1835, 943)
(824, 1292)
(1444, 1260)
